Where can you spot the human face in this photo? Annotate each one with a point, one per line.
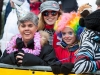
(68, 36)
(50, 16)
(27, 30)
(33, 1)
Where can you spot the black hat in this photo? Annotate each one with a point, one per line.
(92, 21)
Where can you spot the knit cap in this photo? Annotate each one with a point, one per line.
(92, 21)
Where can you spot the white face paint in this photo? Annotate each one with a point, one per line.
(68, 36)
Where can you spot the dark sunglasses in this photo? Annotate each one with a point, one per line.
(47, 13)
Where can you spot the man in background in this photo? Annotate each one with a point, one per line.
(68, 5)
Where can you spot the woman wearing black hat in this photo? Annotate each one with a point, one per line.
(1, 4)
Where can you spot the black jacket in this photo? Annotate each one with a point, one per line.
(46, 57)
(69, 5)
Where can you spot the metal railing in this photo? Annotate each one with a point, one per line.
(36, 68)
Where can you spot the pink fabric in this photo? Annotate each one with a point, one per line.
(37, 46)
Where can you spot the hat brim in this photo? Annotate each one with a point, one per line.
(49, 9)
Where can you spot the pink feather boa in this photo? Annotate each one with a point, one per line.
(37, 46)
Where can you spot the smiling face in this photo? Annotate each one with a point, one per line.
(68, 36)
(50, 17)
(27, 30)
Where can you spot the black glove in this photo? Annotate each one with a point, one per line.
(21, 54)
(56, 67)
(20, 50)
(19, 43)
(66, 68)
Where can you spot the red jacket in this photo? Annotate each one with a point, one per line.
(56, 40)
(34, 7)
(64, 55)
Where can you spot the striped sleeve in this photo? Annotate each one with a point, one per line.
(85, 58)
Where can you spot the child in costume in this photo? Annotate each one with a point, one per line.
(34, 6)
(88, 56)
(68, 27)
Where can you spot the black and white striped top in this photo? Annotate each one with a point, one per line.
(88, 56)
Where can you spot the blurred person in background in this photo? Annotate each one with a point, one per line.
(11, 28)
(8, 10)
(68, 5)
(34, 6)
(98, 4)
(1, 5)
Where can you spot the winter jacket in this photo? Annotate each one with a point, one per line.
(88, 56)
(57, 40)
(69, 5)
(46, 56)
(65, 55)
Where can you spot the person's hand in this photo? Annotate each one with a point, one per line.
(66, 68)
(19, 58)
(56, 67)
